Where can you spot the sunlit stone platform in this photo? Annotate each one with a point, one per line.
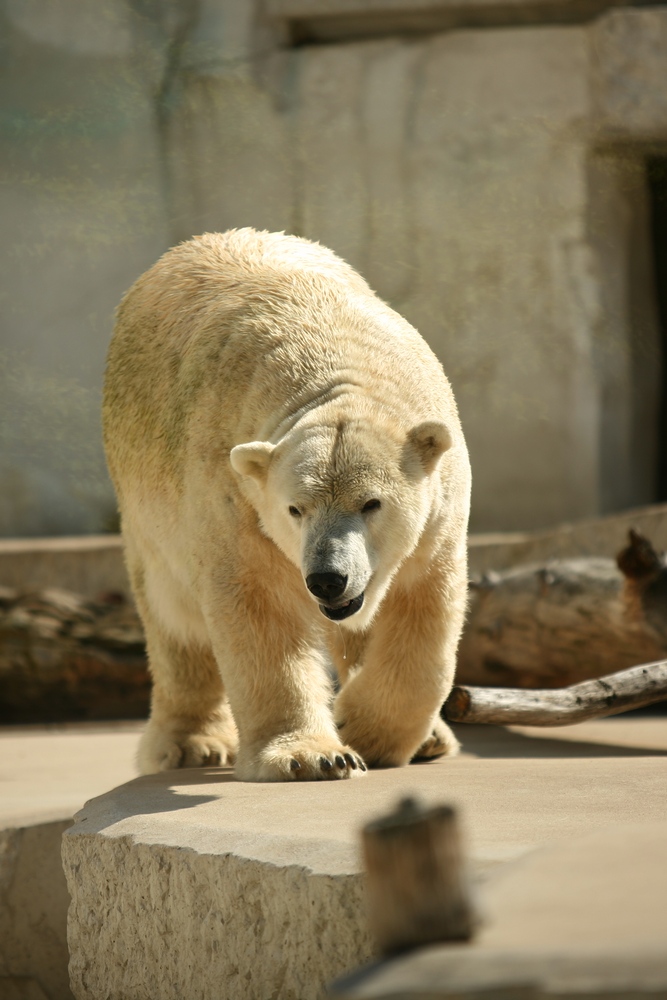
(190, 884)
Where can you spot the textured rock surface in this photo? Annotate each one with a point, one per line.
(206, 926)
(33, 907)
(192, 884)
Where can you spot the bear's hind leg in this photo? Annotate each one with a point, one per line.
(191, 723)
(440, 743)
(347, 651)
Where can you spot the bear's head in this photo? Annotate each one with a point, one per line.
(347, 503)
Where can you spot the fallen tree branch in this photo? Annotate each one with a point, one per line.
(620, 692)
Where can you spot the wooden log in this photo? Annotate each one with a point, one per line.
(634, 688)
(64, 658)
(568, 621)
(416, 882)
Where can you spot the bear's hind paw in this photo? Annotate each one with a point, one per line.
(440, 743)
(161, 751)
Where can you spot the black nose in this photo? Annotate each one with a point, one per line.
(326, 586)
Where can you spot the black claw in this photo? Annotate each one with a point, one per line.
(362, 765)
(351, 761)
(340, 761)
(325, 764)
(294, 764)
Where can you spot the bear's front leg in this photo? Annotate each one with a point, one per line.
(389, 709)
(278, 689)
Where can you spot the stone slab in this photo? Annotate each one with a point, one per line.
(87, 564)
(33, 913)
(242, 890)
(45, 776)
(48, 772)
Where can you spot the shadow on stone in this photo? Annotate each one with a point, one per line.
(495, 741)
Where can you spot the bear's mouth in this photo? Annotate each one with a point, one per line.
(342, 611)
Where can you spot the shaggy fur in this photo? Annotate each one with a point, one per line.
(268, 419)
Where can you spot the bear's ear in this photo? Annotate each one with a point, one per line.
(431, 439)
(252, 459)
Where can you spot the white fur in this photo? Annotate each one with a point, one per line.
(251, 373)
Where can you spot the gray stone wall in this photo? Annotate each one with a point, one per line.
(488, 181)
(83, 212)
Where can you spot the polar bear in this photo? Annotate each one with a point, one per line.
(293, 484)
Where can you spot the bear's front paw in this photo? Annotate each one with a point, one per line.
(164, 747)
(296, 757)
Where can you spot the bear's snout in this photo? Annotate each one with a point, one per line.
(326, 586)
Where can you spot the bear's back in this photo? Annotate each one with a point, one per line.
(250, 326)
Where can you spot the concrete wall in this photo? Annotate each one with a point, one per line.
(488, 181)
(83, 210)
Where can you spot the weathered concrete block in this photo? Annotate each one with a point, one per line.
(45, 775)
(224, 910)
(89, 565)
(33, 911)
(190, 884)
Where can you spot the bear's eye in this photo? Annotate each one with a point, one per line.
(294, 511)
(371, 505)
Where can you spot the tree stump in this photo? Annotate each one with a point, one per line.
(568, 621)
(416, 883)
